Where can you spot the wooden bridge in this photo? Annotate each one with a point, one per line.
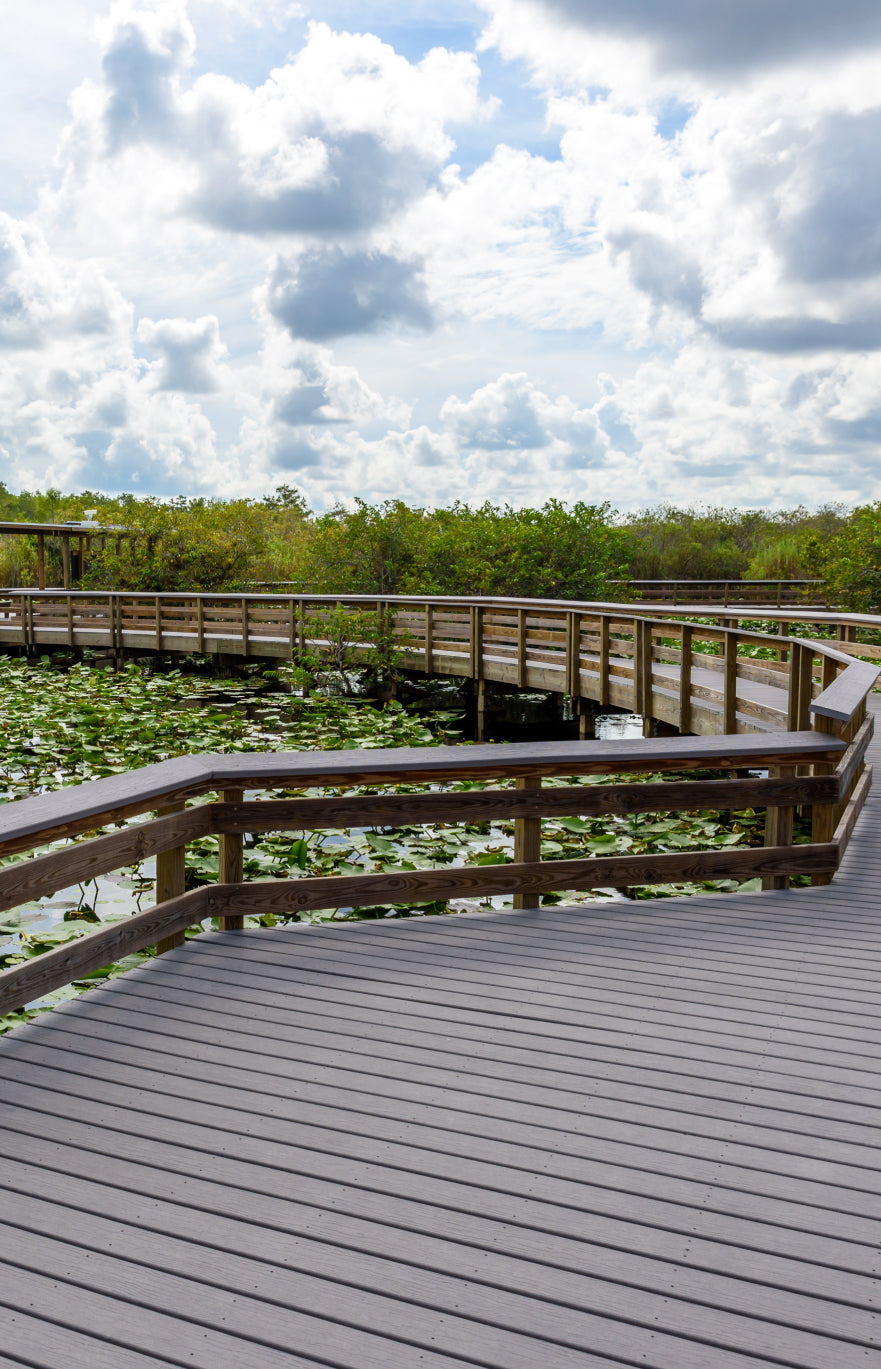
(625, 1134)
(689, 675)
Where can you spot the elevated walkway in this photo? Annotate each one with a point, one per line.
(636, 1133)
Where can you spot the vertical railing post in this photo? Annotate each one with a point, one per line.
(638, 677)
(782, 631)
(685, 679)
(793, 693)
(477, 642)
(647, 630)
(157, 607)
(778, 828)
(527, 842)
(170, 879)
(41, 560)
(200, 624)
(521, 648)
(575, 655)
(244, 627)
(729, 705)
(805, 688)
(823, 814)
(69, 620)
(605, 682)
(429, 639)
(231, 861)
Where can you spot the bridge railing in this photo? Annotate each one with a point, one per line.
(821, 767)
(693, 676)
(770, 593)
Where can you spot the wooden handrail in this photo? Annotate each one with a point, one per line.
(618, 653)
(612, 653)
(30, 822)
(44, 874)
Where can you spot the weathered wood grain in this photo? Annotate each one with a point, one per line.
(45, 875)
(849, 764)
(46, 817)
(845, 829)
(413, 886)
(390, 810)
(842, 698)
(35, 978)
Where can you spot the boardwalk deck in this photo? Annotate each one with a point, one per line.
(639, 1134)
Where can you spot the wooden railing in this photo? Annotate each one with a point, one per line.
(767, 593)
(28, 824)
(820, 766)
(697, 677)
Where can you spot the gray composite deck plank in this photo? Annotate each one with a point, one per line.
(758, 948)
(845, 1028)
(561, 1074)
(403, 1262)
(704, 1112)
(684, 1042)
(475, 1115)
(763, 933)
(264, 988)
(187, 1333)
(288, 1306)
(408, 1305)
(571, 1111)
(541, 963)
(659, 989)
(311, 1002)
(517, 1048)
(806, 1203)
(354, 1000)
(540, 1263)
(530, 1230)
(721, 1021)
(48, 1345)
(544, 983)
(322, 997)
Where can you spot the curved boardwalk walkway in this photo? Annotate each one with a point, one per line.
(636, 1134)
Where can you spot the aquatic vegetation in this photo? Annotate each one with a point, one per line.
(64, 726)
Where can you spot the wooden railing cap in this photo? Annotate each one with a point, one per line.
(96, 802)
(841, 699)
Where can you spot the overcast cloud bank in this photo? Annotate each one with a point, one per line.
(589, 250)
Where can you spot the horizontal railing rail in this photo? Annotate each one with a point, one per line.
(28, 823)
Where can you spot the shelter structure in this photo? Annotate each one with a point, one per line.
(76, 538)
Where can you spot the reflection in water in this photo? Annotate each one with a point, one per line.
(618, 726)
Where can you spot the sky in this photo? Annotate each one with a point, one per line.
(599, 250)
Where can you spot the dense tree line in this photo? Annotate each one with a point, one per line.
(556, 551)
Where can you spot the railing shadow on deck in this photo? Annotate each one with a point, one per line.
(822, 767)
